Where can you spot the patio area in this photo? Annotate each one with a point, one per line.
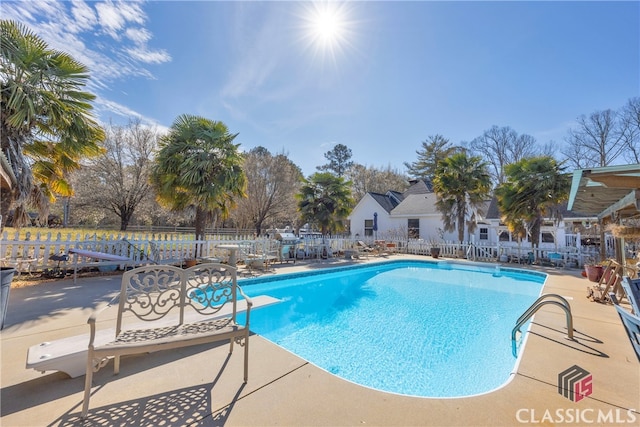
(202, 386)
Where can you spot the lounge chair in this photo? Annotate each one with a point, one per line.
(365, 249)
(631, 325)
(610, 281)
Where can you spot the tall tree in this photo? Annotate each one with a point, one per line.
(500, 146)
(339, 160)
(271, 191)
(325, 201)
(46, 122)
(198, 167)
(121, 175)
(532, 191)
(434, 149)
(365, 179)
(597, 140)
(462, 184)
(630, 118)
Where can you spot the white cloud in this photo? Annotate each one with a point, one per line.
(110, 38)
(84, 16)
(113, 17)
(138, 35)
(149, 56)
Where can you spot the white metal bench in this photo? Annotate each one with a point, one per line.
(157, 294)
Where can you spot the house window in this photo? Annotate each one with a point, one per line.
(503, 236)
(484, 233)
(547, 237)
(368, 227)
(413, 226)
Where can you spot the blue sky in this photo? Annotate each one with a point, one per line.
(392, 73)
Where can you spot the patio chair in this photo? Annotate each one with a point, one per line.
(610, 281)
(631, 325)
(365, 249)
(632, 290)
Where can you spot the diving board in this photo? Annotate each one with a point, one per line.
(69, 355)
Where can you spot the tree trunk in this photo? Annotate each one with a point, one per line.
(535, 231)
(200, 223)
(461, 227)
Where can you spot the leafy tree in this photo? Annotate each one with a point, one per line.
(46, 122)
(533, 189)
(462, 185)
(339, 160)
(500, 146)
(365, 179)
(434, 149)
(271, 191)
(598, 140)
(325, 200)
(120, 177)
(198, 167)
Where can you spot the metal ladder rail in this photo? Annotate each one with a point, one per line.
(542, 301)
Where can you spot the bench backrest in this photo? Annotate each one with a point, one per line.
(155, 292)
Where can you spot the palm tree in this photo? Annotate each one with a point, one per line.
(46, 125)
(198, 166)
(325, 200)
(462, 184)
(533, 189)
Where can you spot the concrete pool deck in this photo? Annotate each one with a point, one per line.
(202, 386)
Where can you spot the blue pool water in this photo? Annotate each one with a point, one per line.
(414, 328)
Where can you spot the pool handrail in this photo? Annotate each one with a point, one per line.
(541, 301)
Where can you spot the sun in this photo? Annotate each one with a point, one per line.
(328, 29)
(327, 25)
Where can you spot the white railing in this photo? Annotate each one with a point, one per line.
(34, 251)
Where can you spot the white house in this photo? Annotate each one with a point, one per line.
(413, 214)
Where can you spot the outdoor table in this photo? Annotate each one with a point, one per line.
(233, 249)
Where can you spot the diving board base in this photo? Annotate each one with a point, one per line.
(69, 355)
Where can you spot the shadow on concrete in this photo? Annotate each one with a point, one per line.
(58, 385)
(187, 406)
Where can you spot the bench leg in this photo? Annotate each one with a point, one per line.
(87, 385)
(246, 358)
(116, 365)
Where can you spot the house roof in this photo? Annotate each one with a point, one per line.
(385, 200)
(417, 205)
(419, 186)
(606, 191)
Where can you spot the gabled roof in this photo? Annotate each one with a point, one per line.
(417, 205)
(387, 201)
(419, 186)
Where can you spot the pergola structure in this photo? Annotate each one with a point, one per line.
(611, 193)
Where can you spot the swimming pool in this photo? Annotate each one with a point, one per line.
(415, 328)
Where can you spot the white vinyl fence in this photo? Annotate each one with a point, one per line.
(33, 253)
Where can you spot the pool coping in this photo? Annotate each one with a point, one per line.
(286, 390)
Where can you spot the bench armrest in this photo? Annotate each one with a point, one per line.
(249, 303)
(92, 323)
